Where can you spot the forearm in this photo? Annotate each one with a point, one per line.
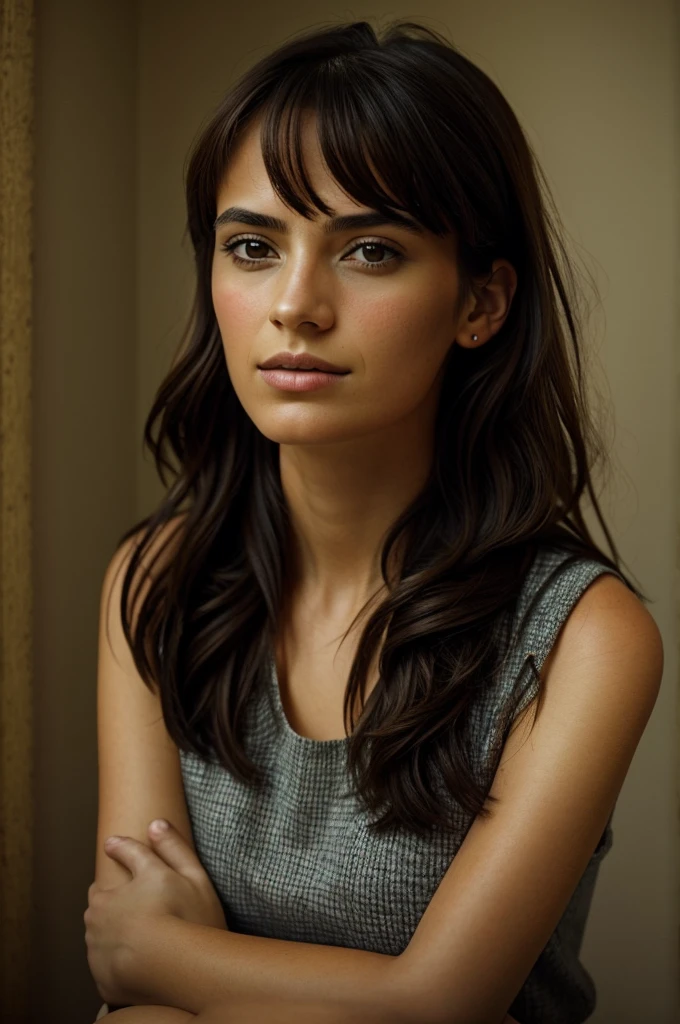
(191, 966)
(250, 1013)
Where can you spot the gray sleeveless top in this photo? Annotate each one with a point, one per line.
(296, 861)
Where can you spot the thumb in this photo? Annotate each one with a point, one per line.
(171, 845)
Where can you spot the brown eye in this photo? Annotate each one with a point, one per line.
(229, 248)
(381, 247)
(252, 259)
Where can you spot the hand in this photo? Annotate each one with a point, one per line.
(167, 879)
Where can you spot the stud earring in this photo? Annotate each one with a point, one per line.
(474, 337)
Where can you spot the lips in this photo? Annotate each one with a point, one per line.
(300, 361)
(299, 369)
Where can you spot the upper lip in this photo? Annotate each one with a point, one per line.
(300, 361)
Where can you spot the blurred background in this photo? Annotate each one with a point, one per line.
(121, 90)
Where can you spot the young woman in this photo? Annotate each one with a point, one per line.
(365, 658)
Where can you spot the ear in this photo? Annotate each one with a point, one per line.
(491, 303)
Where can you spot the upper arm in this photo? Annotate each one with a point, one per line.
(515, 872)
(139, 768)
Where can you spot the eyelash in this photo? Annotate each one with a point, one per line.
(228, 248)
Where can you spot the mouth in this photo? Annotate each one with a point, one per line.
(301, 362)
(299, 379)
(309, 369)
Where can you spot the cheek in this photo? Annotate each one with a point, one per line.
(239, 314)
(404, 330)
(236, 309)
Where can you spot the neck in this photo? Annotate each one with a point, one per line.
(342, 501)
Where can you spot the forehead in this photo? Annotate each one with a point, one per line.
(245, 183)
(246, 173)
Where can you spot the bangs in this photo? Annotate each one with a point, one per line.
(405, 126)
(373, 136)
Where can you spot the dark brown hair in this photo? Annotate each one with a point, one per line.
(515, 442)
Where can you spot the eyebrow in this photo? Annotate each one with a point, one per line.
(349, 222)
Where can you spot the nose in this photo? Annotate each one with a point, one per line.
(302, 299)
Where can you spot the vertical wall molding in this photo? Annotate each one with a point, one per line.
(17, 33)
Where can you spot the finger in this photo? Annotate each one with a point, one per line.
(129, 852)
(174, 849)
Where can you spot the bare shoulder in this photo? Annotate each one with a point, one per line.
(156, 554)
(139, 766)
(157, 551)
(609, 596)
(609, 624)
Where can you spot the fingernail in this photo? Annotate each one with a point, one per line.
(112, 840)
(159, 825)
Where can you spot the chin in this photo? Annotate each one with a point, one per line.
(311, 432)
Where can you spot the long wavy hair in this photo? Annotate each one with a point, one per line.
(515, 441)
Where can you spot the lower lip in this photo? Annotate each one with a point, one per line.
(300, 380)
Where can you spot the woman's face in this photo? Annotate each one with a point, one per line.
(383, 311)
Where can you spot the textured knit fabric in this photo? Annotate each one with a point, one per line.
(296, 860)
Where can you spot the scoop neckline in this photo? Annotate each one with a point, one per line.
(338, 743)
(309, 741)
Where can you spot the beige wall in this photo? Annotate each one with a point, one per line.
(595, 85)
(85, 446)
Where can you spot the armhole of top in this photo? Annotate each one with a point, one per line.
(556, 606)
(547, 619)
